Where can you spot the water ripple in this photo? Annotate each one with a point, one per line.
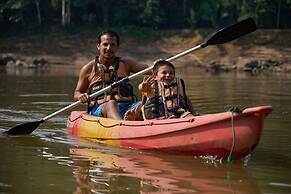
(42, 95)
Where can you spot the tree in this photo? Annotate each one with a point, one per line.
(278, 13)
(153, 14)
(66, 12)
(38, 11)
(11, 12)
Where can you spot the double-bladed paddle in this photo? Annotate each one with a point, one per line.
(222, 36)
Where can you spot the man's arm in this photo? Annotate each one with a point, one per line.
(83, 84)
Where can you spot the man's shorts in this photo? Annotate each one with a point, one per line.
(123, 107)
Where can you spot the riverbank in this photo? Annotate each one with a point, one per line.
(263, 50)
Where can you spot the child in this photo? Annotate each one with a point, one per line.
(165, 94)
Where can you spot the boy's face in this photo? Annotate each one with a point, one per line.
(165, 74)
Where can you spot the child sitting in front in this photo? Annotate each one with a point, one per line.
(165, 94)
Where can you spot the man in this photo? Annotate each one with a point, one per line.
(103, 71)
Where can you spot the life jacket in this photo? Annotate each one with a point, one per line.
(167, 100)
(103, 77)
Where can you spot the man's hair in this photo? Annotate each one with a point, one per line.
(161, 63)
(109, 33)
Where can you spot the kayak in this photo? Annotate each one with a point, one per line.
(218, 134)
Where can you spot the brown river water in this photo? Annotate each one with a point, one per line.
(50, 161)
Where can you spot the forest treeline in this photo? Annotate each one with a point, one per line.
(155, 14)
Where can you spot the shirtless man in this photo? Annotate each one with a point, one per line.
(104, 70)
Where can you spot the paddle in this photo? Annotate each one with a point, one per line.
(222, 36)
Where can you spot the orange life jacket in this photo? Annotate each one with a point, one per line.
(102, 76)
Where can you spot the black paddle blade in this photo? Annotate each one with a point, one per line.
(232, 32)
(24, 129)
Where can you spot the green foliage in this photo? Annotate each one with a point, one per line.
(153, 14)
(127, 13)
(192, 18)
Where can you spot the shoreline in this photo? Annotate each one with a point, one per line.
(261, 51)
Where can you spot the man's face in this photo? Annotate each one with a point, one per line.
(107, 47)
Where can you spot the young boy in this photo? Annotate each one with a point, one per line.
(165, 94)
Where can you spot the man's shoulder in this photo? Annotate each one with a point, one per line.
(129, 64)
(91, 63)
(88, 67)
(128, 61)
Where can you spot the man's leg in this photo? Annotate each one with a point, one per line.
(111, 110)
(134, 112)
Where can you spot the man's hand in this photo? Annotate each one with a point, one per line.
(84, 97)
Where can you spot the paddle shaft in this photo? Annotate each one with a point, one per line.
(131, 77)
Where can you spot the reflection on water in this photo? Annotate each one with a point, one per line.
(49, 161)
(156, 174)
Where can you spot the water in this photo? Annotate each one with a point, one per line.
(49, 161)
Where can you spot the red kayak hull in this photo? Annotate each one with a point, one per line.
(210, 134)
